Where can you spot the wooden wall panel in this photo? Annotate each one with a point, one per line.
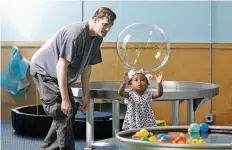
(222, 75)
(187, 62)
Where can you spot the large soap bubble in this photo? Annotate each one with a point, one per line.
(143, 46)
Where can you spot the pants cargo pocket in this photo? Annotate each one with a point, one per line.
(50, 90)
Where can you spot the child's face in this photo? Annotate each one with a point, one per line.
(139, 82)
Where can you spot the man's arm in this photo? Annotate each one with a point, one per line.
(85, 76)
(61, 69)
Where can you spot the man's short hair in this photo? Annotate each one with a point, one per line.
(105, 12)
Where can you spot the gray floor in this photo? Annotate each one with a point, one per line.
(12, 141)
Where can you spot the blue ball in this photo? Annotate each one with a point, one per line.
(194, 128)
(159, 136)
(204, 135)
(204, 127)
(165, 137)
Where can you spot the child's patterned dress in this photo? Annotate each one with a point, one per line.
(139, 112)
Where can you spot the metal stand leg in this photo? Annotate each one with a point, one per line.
(90, 125)
(190, 112)
(175, 112)
(115, 117)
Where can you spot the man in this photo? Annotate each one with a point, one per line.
(58, 63)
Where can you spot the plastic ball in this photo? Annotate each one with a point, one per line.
(166, 138)
(204, 135)
(172, 138)
(182, 134)
(150, 134)
(195, 141)
(201, 141)
(134, 137)
(159, 136)
(138, 134)
(142, 133)
(181, 139)
(145, 139)
(153, 139)
(195, 135)
(189, 141)
(139, 44)
(189, 131)
(194, 128)
(204, 127)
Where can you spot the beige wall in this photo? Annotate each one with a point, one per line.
(187, 62)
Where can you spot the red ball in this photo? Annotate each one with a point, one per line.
(181, 138)
(172, 138)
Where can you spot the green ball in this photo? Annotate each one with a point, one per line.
(145, 139)
(195, 135)
(194, 128)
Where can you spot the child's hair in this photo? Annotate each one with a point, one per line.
(129, 82)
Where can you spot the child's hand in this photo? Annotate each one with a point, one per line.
(159, 78)
(126, 78)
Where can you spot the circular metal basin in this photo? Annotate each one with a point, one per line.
(219, 137)
(175, 90)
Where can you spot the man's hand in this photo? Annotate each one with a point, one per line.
(66, 107)
(85, 105)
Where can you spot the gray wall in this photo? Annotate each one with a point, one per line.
(182, 21)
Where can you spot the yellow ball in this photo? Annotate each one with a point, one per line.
(141, 134)
(201, 141)
(150, 134)
(144, 132)
(189, 131)
(182, 134)
(138, 134)
(194, 141)
(189, 141)
(153, 139)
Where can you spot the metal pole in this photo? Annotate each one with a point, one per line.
(82, 5)
(190, 111)
(90, 124)
(115, 117)
(175, 112)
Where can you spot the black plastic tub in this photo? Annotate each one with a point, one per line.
(33, 121)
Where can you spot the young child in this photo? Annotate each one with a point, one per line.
(139, 112)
